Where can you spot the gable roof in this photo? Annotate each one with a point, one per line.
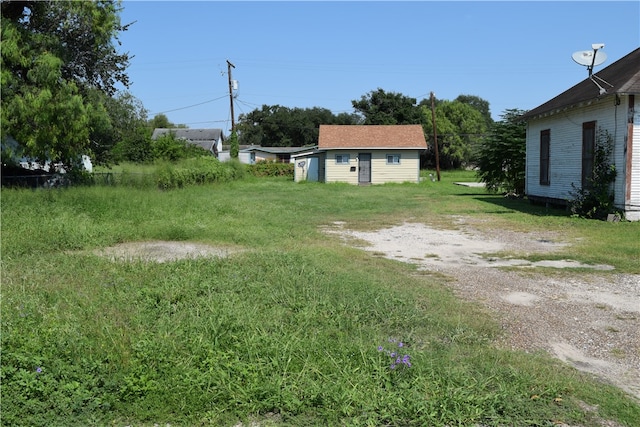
(203, 138)
(278, 150)
(371, 136)
(623, 75)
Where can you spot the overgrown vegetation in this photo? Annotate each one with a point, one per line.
(596, 199)
(296, 330)
(501, 157)
(271, 169)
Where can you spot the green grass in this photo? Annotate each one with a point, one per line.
(285, 333)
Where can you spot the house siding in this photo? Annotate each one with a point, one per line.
(407, 171)
(633, 200)
(565, 150)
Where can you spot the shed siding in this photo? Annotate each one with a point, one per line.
(341, 172)
(565, 150)
(407, 171)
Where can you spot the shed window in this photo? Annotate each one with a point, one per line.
(588, 146)
(393, 159)
(545, 142)
(342, 159)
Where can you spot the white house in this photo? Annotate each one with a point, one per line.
(561, 134)
(273, 154)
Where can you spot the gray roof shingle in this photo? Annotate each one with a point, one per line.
(204, 138)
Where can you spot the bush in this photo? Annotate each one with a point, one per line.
(596, 200)
(167, 147)
(200, 170)
(266, 168)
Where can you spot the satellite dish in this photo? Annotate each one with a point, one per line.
(589, 58)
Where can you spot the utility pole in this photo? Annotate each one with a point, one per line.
(435, 135)
(233, 121)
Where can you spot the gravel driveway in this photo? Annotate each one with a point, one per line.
(590, 320)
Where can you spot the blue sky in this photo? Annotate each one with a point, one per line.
(514, 54)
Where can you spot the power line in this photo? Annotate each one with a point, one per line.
(189, 106)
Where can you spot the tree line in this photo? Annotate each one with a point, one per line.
(60, 71)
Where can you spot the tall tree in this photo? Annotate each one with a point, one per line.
(130, 131)
(459, 128)
(54, 56)
(160, 121)
(501, 159)
(278, 126)
(479, 104)
(388, 108)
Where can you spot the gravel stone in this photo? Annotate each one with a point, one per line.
(589, 319)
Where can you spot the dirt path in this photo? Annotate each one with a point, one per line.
(590, 320)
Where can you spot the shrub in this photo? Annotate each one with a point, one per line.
(199, 170)
(167, 147)
(596, 200)
(266, 168)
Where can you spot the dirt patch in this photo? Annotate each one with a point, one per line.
(163, 251)
(588, 318)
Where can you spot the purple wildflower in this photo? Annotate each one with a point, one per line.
(38, 370)
(406, 361)
(400, 344)
(380, 348)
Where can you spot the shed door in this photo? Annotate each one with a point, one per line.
(364, 168)
(312, 172)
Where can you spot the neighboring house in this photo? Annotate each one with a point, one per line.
(208, 139)
(273, 154)
(561, 134)
(12, 148)
(363, 154)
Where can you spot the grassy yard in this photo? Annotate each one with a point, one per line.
(295, 330)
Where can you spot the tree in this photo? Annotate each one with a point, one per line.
(161, 121)
(501, 158)
(459, 128)
(279, 126)
(479, 104)
(55, 56)
(234, 150)
(388, 108)
(130, 131)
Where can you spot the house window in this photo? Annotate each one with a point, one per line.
(588, 146)
(342, 159)
(545, 140)
(393, 159)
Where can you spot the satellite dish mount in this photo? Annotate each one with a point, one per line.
(591, 58)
